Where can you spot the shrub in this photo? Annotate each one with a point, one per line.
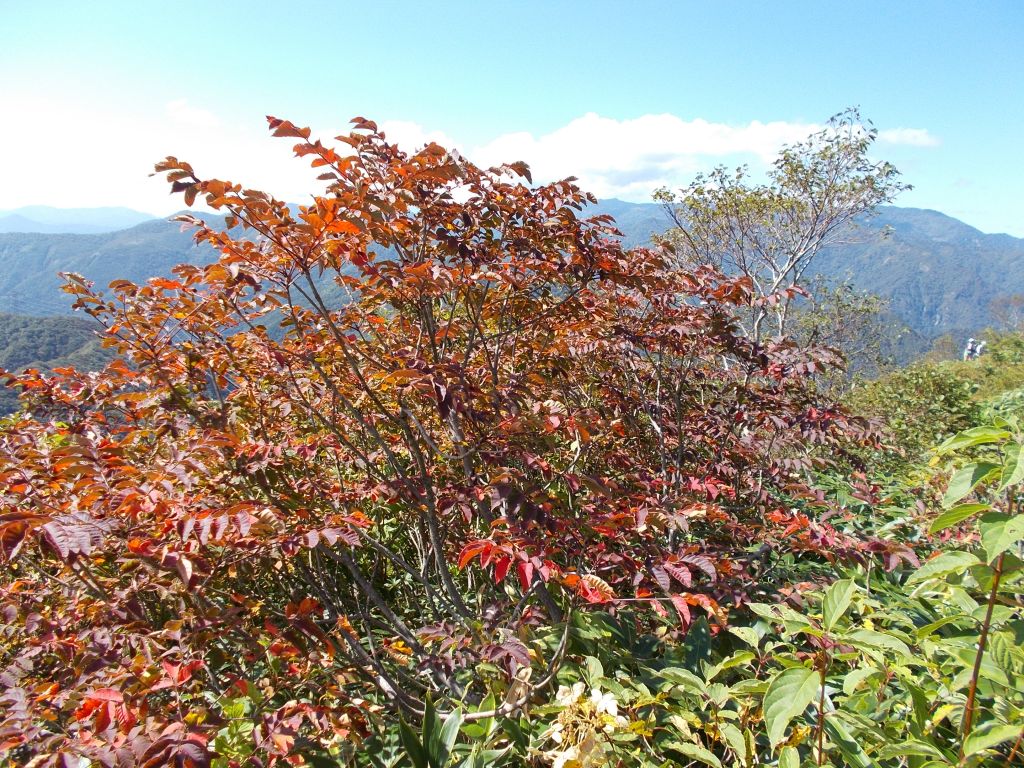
(281, 520)
(920, 406)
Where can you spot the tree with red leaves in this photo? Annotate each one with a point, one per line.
(380, 441)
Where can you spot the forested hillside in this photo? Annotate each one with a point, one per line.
(939, 274)
(47, 343)
(29, 262)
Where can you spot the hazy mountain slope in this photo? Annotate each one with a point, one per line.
(29, 262)
(47, 219)
(638, 222)
(939, 273)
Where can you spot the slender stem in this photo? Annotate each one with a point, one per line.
(821, 710)
(982, 642)
(1013, 752)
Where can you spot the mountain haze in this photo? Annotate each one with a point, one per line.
(45, 218)
(939, 273)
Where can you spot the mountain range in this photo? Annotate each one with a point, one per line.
(45, 218)
(30, 261)
(939, 273)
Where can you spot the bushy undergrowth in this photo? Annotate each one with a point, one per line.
(920, 406)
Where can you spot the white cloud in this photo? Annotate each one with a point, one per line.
(911, 137)
(82, 154)
(110, 150)
(630, 158)
(412, 136)
(183, 113)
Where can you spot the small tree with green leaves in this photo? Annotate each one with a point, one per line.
(771, 232)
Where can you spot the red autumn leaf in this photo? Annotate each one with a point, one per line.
(525, 569)
(682, 608)
(501, 566)
(105, 694)
(470, 551)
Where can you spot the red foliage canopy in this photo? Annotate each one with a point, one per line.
(377, 436)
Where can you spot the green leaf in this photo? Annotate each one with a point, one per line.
(981, 740)
(1013, 467)
(482, 729)
(734, 738)
(790, 758)
(698, 644)
(1005, 652)
(854, 678)
(909, 748)
(747, 634)
(881, 640)
(595, 670)
(412, 745)
(232, 708)
(989, 669)
(431, 733)
(718, 694)
(484, 758)
(739, 658)
(922, 704)
(850, 747)
(948, 562)
(999, 532)
(957, 514)
(694, 752)
(973, 436)
(966, 480)
(683, 677)
(794, 622)
(449, 733)
(928, 629)
(837, 601)
(788, 695)
(750, 687)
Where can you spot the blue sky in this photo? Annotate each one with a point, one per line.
(626, 96)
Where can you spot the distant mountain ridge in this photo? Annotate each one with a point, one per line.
(49, 220)
(29, 262)
(939, 273)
